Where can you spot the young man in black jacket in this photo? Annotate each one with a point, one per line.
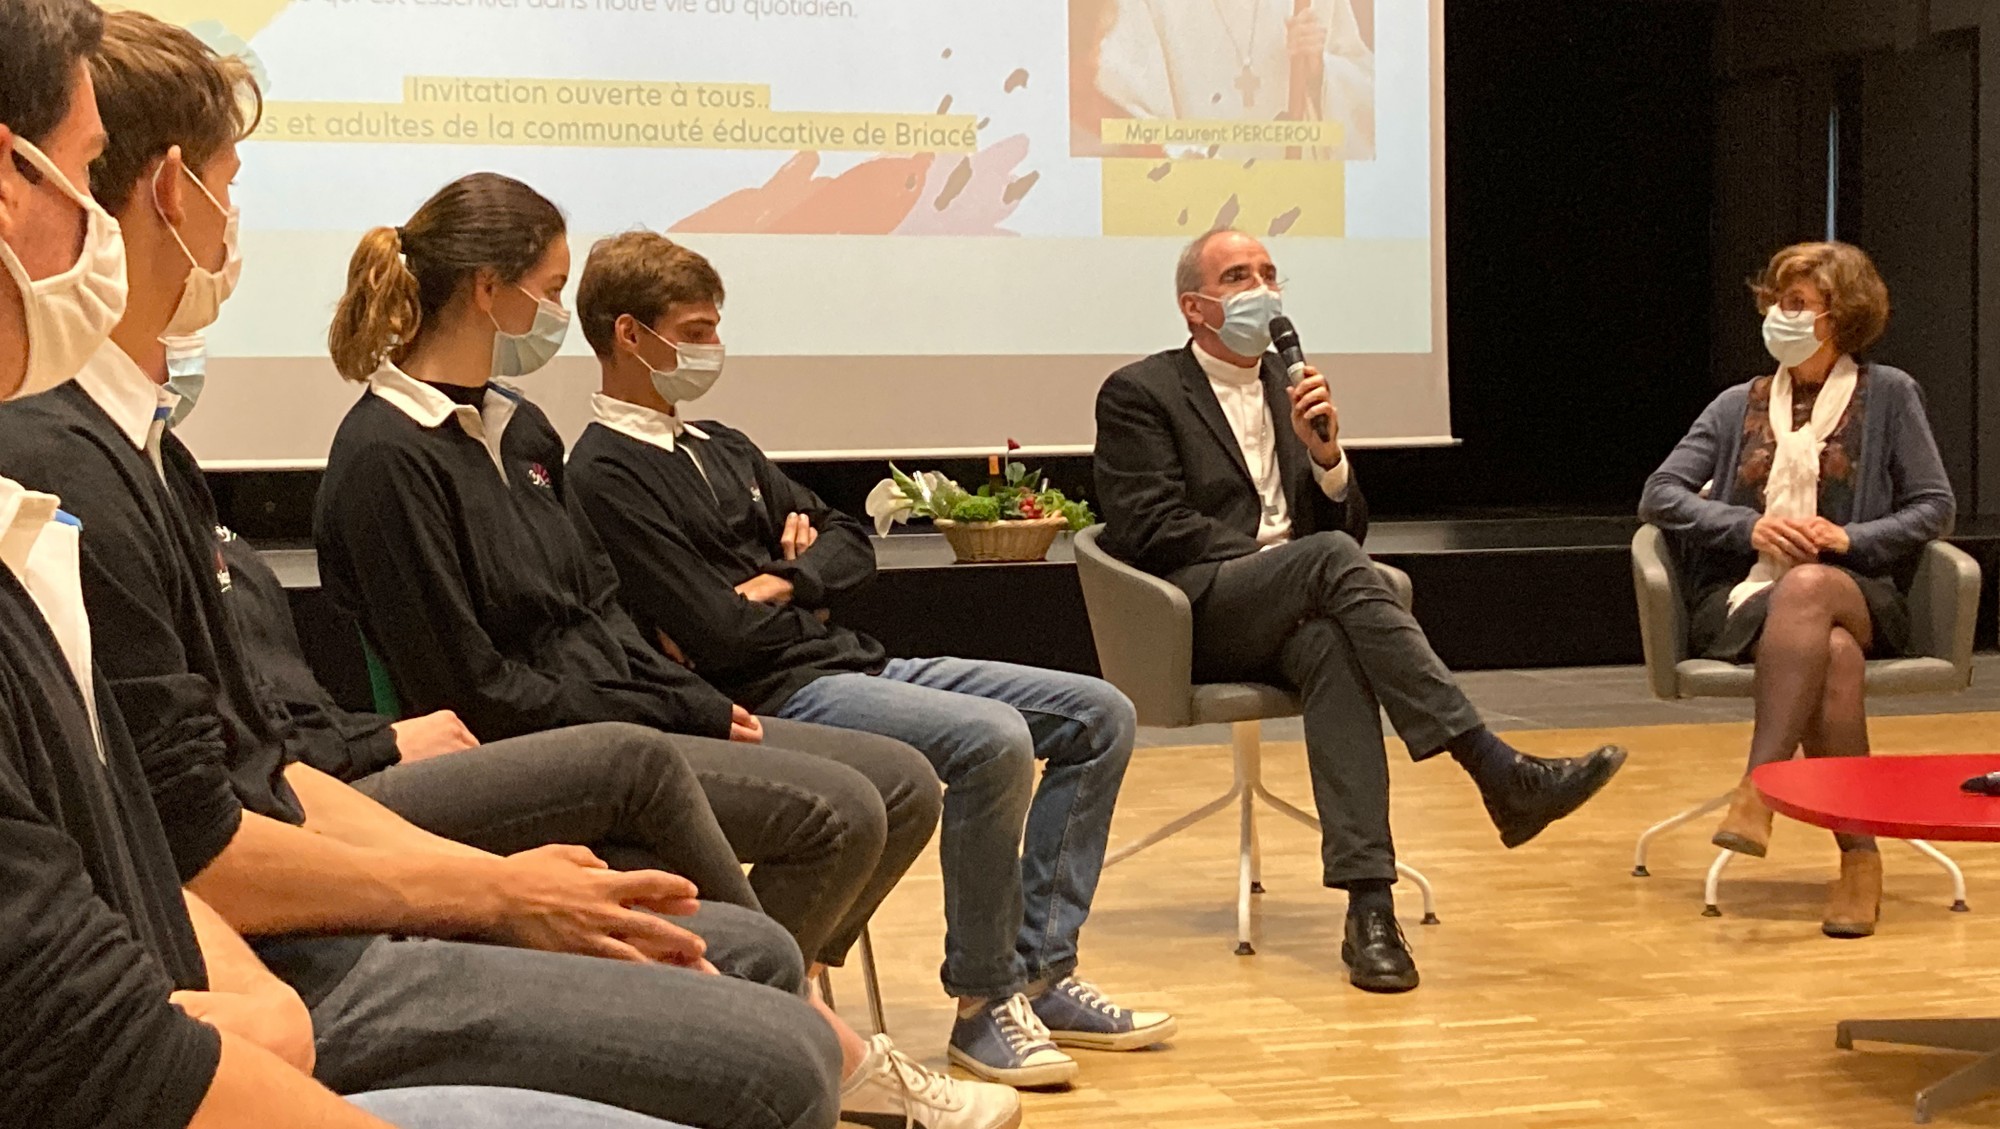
(733, 564)
(1214, 474)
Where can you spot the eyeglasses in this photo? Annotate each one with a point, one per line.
(1245, 273)
(1793, 304)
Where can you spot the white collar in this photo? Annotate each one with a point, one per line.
(647, 425)
(430, 407)
(1222, 372)
(120, 387)
(24, 514)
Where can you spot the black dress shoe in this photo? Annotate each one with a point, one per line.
(1537, 791)
(1375, 952)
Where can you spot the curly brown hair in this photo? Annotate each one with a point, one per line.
(1856, 297)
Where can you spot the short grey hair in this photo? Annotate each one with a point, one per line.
(1187, 270)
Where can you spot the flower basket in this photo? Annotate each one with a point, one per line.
(986, 542)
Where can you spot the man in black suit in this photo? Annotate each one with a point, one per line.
(1261, 524)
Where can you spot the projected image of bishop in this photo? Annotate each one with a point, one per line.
(1243, 60)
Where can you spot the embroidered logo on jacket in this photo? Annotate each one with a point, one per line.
(223, 534)
(756, 493)
(539, 475)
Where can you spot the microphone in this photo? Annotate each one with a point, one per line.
(1285, 339)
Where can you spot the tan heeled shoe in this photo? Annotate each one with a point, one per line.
(1854, 903)
(1747, 828)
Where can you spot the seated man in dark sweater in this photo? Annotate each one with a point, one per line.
(316, 874)
(731, 561)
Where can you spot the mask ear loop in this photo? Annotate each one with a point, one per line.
(171, 229)
(663, 341)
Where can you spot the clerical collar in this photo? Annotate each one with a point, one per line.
(1222, 372)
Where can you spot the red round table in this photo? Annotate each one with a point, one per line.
(1902, 798)
(1894, 797)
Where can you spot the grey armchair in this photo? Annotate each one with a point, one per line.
(1944, 603)
(1144, 632)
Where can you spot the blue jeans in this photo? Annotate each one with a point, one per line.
(982, 725)
(477, 1107)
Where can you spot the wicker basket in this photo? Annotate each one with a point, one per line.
(979, 542)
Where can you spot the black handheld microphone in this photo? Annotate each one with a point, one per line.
(1285, 339)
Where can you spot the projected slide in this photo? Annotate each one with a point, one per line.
(960, 194)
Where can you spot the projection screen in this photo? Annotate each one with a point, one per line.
(941, 222)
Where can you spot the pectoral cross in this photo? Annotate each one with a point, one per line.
(1247, 84)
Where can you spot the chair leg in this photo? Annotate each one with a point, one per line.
(872, 983)
(1285, 807)
(1256, 841)
(1249, 755)
(1710, 907)
(1177, 826)
(1424, 885)
(1646, 837)
(1957, 876)
(826, 987)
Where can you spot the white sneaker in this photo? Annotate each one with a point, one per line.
(891, 1090)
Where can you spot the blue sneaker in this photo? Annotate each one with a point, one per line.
(1004, 1042)
(1078, 1015)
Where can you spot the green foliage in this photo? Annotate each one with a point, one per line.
(975, 508)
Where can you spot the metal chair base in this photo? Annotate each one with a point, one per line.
(870, 983)
(1974, 1080)
(1244, 792)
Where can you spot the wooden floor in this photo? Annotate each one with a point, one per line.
(1558, 991)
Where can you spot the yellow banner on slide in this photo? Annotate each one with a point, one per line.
(1188, 197)
(1309, 141)
(458, 123)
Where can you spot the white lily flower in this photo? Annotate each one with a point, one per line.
(888, 505)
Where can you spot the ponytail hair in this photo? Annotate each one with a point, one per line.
(402, 278)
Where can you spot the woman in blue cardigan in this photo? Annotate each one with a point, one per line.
(1799, 505)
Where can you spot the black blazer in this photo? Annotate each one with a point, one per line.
(1176, 494)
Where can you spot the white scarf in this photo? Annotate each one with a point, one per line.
(1792, 490)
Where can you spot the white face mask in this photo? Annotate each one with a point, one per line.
(518, 354)
(699, 368)
(1246, 319)
(71, 314)
(1789, 337)
(206, 290)
(187, 372)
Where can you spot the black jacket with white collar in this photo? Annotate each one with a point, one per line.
(473, 586)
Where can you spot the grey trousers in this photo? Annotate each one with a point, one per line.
(829, 819)
(717, 1052)
(481, 1107)
(1315, 615)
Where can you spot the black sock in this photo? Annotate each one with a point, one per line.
(1369, 893)
(1483, 755)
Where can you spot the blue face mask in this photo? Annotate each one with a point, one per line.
(187, 372)
(518, 354)
(1246, 319)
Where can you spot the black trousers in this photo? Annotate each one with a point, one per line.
(1315, 615)
(830, 818)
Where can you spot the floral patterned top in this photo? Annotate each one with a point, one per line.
(1837, 464)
